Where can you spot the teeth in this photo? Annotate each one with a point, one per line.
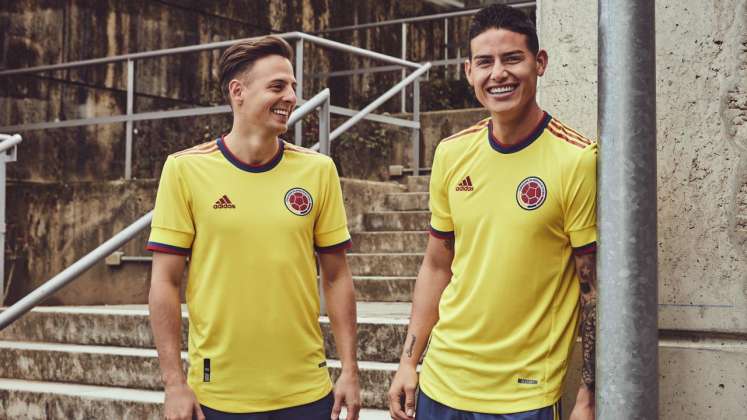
(503, 89)
(279, 112)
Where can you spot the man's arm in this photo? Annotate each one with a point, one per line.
(433, 277)
(337, 283)
(166, 322)
(587, 273)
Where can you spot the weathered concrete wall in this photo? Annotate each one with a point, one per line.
(701, 52)
(51, 225)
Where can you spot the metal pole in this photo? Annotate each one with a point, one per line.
(324, 125)
(627, 333)
(416, 131)
(71, 273)
(298, 134)
(446, 47)
(130, 111)
(404, 71)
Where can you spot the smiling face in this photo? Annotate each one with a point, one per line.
(264, 96)
(503, 72)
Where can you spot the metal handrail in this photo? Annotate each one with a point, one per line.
(210, 46)
(8, 141)
(130, 116)
(72, 272)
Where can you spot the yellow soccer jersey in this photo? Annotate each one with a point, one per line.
(254, 338)
(508, 318)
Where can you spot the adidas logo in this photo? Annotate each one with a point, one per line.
(224, 203)
(465, 185)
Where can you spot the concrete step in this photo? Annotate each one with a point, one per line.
(407, 201)
(381, 328)
(36, 400)
(138, 368)
(397, 220)
(383, 289)
(396, 265)
(417, 183)
(383, 242)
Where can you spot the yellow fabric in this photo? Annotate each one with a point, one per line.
(508, 318)
(252, 292)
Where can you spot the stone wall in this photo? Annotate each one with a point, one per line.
(701, 72)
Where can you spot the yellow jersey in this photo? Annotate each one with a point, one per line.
(508, 318)
(255, 343)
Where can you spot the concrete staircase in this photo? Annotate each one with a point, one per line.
(100, 362)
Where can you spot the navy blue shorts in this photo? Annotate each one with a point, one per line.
(428, 409)
(317, 410)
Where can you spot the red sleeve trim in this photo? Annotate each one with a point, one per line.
(167, 249)
(589, 248)
(441, 235)
(342, 246)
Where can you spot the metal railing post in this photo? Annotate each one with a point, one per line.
(627, 381)
(416, 131)
(404, 71)
(446, 47)
(324, 127)
(298, 128)
(129, 123)
(8, 153)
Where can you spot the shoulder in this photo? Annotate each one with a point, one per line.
(199, 150)
(461, 140)
(569, 137)
(467, 132)
(308, 156)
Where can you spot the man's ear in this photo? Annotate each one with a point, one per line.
(468, 71)
(235, 89)
(541, 62)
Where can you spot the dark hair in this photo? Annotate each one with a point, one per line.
(500, 16)
(240, 57)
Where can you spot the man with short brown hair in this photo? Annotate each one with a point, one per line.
(250, 210)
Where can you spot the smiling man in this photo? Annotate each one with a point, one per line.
(511, 256)
(250, 209)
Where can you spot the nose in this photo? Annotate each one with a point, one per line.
(498, 71)
(289, 95)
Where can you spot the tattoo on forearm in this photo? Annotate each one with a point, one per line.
(449, 244)
(587, 273)
(588, 340)
(412, 345)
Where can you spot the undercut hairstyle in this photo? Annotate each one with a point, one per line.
(240, 57)
(500, 16)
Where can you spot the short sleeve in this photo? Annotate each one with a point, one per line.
(172, 229)
(442, 225)
(331, 226)
(581, 207)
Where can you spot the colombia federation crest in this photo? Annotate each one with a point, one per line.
(298, 201)
(531, 193)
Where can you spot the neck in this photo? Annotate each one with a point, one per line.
(250, 145)
(511, 129)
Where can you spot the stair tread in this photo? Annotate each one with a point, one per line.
(389, 310)
(117, 393)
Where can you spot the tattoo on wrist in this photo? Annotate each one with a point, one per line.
(412, 345)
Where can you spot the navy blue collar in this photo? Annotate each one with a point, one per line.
(246, 166)
(534, 135)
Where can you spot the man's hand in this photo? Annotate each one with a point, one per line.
(404, 384)
(584, 408)
(347, 393)
(181, 403)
